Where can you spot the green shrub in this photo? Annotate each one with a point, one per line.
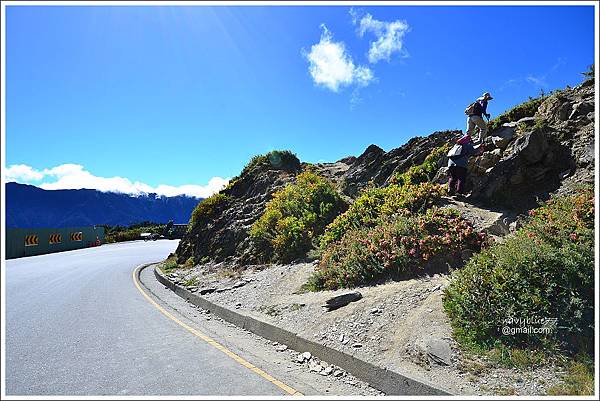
(579, 379)
(208, 209)
(375, 203)
(402, 246)
(277, 159)
(423, 172)
(296, 216)
(125, 235)
(544, 271)
(526, 109)
(132, 232)
(169, 265)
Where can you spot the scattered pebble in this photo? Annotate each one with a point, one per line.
(314, 367)
(327, 371)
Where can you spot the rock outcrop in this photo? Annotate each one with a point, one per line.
(535, 156)
(225, 237)
(377, 166)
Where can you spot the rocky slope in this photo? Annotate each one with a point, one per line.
(225, 237)
(548, 150)
(534, 156)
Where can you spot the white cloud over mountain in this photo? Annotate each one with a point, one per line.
(74, 176)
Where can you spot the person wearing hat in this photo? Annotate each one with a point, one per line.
(475, 113)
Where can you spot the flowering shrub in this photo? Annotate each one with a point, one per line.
(376, 203)
(295, 216)
(400, 246)
(544, 271)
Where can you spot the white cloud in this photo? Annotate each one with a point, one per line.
(331, 66)
(74, 176)
(22, 172)
(389, 36)
(537, 81)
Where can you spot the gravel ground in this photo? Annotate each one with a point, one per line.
(397, 325)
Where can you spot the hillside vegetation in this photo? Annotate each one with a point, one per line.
(385, 216)
(132, 232)
(542, 272)
(295, 217)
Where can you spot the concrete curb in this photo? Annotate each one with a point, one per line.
(390, 382)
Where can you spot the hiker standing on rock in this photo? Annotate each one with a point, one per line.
(475, 113)
(458, 158)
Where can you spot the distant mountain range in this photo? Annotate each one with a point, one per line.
(28, 206)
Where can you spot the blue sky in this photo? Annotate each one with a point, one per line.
(163, 97)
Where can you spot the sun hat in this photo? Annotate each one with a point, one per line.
(487, 96)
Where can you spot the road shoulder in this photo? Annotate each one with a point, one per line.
(260, 352)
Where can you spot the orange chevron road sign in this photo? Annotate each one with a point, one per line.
(77, 236)
(32, 240)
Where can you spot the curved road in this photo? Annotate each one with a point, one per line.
(76, 324)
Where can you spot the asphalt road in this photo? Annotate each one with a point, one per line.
(77, 325)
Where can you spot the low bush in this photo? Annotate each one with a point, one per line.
(423, 172)
(207, 209)
(296, 216)
(277, 159)
(402, 246)
(132, 232)
(525, 109)
(169, 265)
(578, 380)
(542, 275)
(376, 203)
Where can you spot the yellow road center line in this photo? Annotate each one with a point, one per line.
(215, 344)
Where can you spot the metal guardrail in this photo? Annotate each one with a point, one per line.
(38, 241)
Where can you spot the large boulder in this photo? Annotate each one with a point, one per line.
(581, 109)
(528, 169)
(502, 137)
(556, 107)
(531, 147)
(489, 159)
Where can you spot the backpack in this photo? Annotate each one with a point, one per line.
(455, 152)
(473, 109)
